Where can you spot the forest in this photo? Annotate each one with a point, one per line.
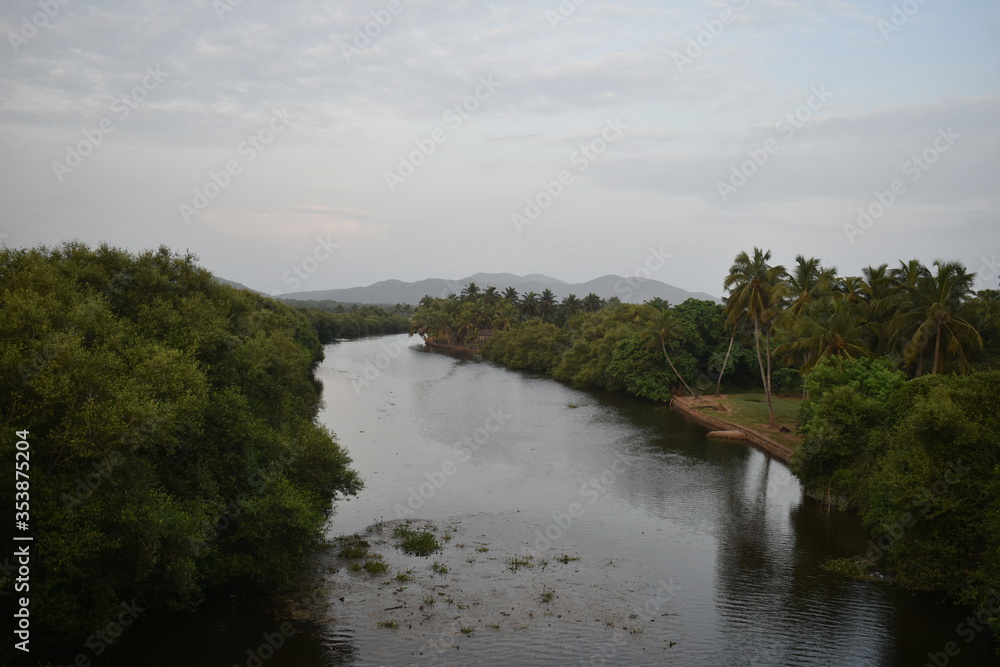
(899, 368)
(174, 447)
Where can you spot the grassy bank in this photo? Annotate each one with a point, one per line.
(750, 411)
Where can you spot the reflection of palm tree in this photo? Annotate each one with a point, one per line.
(667, 327)
(754, 292)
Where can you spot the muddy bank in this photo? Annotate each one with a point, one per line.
(693, 407)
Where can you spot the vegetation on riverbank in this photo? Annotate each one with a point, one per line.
(173, 441)
(897, 368)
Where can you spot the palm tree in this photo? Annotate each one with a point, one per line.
(754, 291)
(529, 305)
(570, 306)
(546, 303)
(505, 317)
(930, 312)
(510, 295)
(667, 327)
(470, 292)
(592, 303)
(490, 295)
(829, 327)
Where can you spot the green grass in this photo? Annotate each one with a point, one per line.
(353, 547)
(440, 568)
(376, 565)
(416, 542)
(750, 410)
(392, 624)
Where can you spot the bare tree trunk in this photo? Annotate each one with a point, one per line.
(767, 388)
(718, 386)
(764, 377)
(667, 356)
(937, 347)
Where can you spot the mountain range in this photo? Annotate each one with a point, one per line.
(629, 290)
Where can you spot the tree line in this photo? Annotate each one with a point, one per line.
(174, 446)
(774, 326)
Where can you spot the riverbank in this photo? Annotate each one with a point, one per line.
(723, 414)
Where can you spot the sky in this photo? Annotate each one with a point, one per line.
(317, 145)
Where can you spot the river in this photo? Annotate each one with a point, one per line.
(690, 551)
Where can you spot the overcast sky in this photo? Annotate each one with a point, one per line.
(353, 142)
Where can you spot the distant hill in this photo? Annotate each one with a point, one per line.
(629, 290)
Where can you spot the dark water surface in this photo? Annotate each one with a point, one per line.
(504, 456)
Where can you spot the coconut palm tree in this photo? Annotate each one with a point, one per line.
(929, 321)
(506, 317)
(470, 292)
(592, 303)
(546, 303)
(510, 295)
(529, 305)
(755, 292)
(828, 327)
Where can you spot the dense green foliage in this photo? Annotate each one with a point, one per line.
(172, 432)
(333, 320)
(920, 460)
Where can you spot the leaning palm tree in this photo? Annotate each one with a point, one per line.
(754, 292)
(665, 326)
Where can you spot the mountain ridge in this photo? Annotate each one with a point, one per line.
(628, 289)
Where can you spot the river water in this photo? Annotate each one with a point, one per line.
(691, 551)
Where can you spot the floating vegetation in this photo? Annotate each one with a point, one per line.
(440, 568)
(515, 563)
(564, 559)
(391, 623)
(353, 546)
(416, 542)
(548, 594)
(375, 565)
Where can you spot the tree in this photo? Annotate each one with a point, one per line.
(929, 319)
(546, 303)
(753, 287)
(592, 303)
(667, 328)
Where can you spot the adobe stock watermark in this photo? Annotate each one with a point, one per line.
(122, 108)
(713, 29)
(592, 489)
(900, 16)
(655, 261)
(365, 35)
(988, 273)
(915, 167)
(786, 126)
(248, 150)
(967, 630)
(562, 13)
(463, 449)
(223, 7)
(38, 21)
(453, 117)
(273, 641)
(582, 158)
(299, 273)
